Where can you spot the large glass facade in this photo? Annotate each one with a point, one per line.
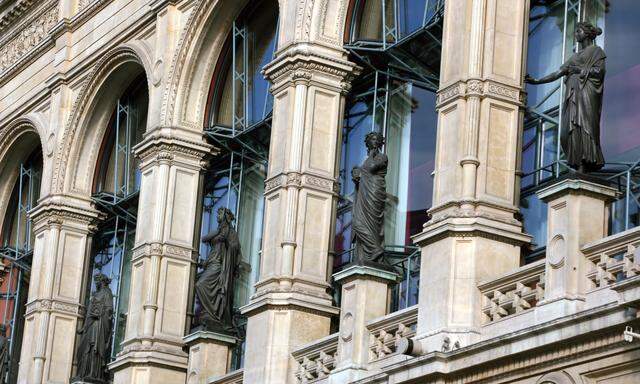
(551, 42)
(15, 257)
(238, 122)
(116, 195)
(396, 97)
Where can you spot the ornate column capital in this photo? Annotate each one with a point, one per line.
(298, 65)
(56, 210)
(169, 145)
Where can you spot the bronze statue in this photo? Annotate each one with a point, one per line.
(368, 208)
(4, 353)
(94, 348)
(582, 103)
(214, 286)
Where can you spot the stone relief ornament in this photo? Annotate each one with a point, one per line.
(94, 348)
(370, 197)
(17, 47)
(214, 287)
(582, 102)
(4, 353)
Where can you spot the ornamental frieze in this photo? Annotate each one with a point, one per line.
(480, 88)
(22, 43)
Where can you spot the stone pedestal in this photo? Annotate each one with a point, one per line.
(209, 355)
(576, 215)
(365, 296)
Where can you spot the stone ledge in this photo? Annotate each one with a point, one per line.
(577, 186)
(208, 336)
(365, 272)
(290, 301)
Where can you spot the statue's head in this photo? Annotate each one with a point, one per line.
(225, 215)
(374, 140)
(586, 30)
(101, 280)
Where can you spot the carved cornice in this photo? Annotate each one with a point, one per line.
(27, 39)
(301, 180)
(296, 65)
(160, 148)
(14, 12)
(482, 89)
(55, 211)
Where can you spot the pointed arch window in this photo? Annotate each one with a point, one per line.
(16, 255)
(116, 190)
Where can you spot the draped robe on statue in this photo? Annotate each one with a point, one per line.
(581, 109)
(215, 285)
(94, 349)
(368, 209)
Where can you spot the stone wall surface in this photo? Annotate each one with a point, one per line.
(64, 63)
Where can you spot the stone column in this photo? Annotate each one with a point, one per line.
(576, 215)
(291, 305)
(62, 228)
(472, 234)
(365, 296)
(209, 355)
(162, 260)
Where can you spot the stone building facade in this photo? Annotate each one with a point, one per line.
(124, 125)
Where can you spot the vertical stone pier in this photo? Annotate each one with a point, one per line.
(472, 234)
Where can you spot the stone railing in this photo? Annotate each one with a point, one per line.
(386, 331)
(613, 259)
(234, 377)
(514, 292)
(316, 360)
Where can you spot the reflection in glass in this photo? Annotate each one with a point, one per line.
(241, 96)
(116, 195)
(16, 250)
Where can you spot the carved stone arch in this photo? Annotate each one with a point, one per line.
(201, 44)
(560, 377)
(78, 147)
(17, 141)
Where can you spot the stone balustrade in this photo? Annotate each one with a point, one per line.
(514, 292)
(234, 377)
(612, 259)
(316, 360)
(386, 331)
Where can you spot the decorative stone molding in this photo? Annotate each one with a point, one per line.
(234, 377)
(59, 210)
(157, 148)
(49, 305)
(26, 38)
(301, 180)
(482, 89)
(294, 64)
(15, 12)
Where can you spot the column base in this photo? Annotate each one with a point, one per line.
(209, 355)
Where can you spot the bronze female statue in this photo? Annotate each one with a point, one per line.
(582, 103)
(368, 207)
(214, 286)
(94, 348)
